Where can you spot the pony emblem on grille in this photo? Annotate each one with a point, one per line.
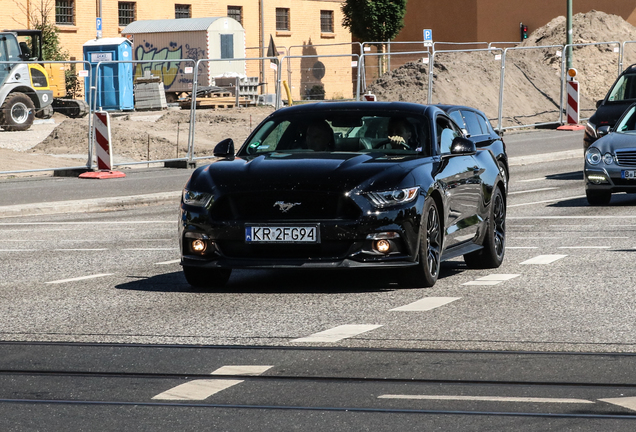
(284, 207)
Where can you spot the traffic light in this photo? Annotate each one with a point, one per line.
(524, 31)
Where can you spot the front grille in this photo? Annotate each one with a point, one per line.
(328, 249)
(262, 206)
(626, 157)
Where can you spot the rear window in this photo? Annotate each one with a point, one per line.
(472, 125)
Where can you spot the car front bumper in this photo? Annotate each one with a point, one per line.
(608, 178)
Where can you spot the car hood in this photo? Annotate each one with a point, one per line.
(616, 141)
(320, 171)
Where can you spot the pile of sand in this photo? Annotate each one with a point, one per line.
(532, 84)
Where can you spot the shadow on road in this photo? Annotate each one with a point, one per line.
(574, 175)
(286, 281)
(618, 200)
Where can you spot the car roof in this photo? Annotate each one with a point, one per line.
(371, 107)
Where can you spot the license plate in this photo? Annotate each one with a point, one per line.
(628, 174)
(282, 234)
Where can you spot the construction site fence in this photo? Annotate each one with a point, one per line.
(195, 74)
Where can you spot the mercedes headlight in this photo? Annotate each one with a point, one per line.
(198, 199)
(608, 158)
(392, 197)
(593, 156)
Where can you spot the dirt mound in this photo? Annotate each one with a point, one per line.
(532, 84)
(157, 135)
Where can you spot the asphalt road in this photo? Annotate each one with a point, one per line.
(100, 330)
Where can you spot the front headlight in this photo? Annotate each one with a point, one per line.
(198, 199)
(593, 156)
(392, 197)
(608, 158)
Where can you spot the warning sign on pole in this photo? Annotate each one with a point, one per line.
(572, 104)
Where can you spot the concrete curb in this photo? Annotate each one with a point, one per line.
(545, 157)
(90, 205)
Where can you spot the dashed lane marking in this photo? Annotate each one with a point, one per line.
(88, 223)
(595, 238)
(544, 259)
(532, 190)
(547, 201)
(492, 279)
(522, 247)
(625, 402)
(338, 333)
(583, 247)
(488, 398)
(79, 250)
(80, 278)
(204, 388)
(150, 249)
(168, 262)
(241, 370)
(197, 389)
(531, 180)
(425, 304)
(575, 217)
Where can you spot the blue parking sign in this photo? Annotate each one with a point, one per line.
(428, 35)
(98, 23)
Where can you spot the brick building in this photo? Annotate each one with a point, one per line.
(289, 22)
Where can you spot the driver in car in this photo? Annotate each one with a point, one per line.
(320, 136)
(400, 132)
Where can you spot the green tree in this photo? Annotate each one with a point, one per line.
(374, 21)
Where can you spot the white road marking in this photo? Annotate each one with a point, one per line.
(338, 333)
(492, 279)
(532, 190)
(544, 259)
(522, 247)
(488, 399)
(547, 201)
(625, 402)
(590, 238)
(197, 389)
(150, 249)
(531, 180)
(168, 262)
(533, 238)
(241, 370)
(79, 278)
(88, 223)
(79, 250)
(576, 217)
(583, 247)
(426, 304)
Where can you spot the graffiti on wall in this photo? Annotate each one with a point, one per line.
(164, 68)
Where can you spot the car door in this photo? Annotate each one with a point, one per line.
(459, 177)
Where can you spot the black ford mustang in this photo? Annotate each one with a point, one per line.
(351, 184)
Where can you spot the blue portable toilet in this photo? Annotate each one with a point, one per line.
(115, 89)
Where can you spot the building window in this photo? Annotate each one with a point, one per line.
(235, 12)
(126, 13)
(182, 11)
(282, 19)
(326, 21)
(65, 12)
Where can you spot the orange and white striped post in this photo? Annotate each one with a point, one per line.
(102, 140)
(572, 108)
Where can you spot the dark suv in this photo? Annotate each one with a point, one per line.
(620, 96)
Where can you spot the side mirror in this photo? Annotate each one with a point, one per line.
(602, 131)
(224, 148)
(599, 103)
(462, 146)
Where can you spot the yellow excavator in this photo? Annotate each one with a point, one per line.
(29, 90)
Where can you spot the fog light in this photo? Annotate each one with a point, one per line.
(597, 178)
(198, 245)
(382, 246)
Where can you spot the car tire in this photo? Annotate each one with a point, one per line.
(492, 254)
(17, 112)
(425, 273)
(200, 277)
(598, 198)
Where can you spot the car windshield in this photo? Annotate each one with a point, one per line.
(624, 89)
(341, 132)
(627, 124)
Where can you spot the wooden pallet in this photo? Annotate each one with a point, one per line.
(216, 102)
